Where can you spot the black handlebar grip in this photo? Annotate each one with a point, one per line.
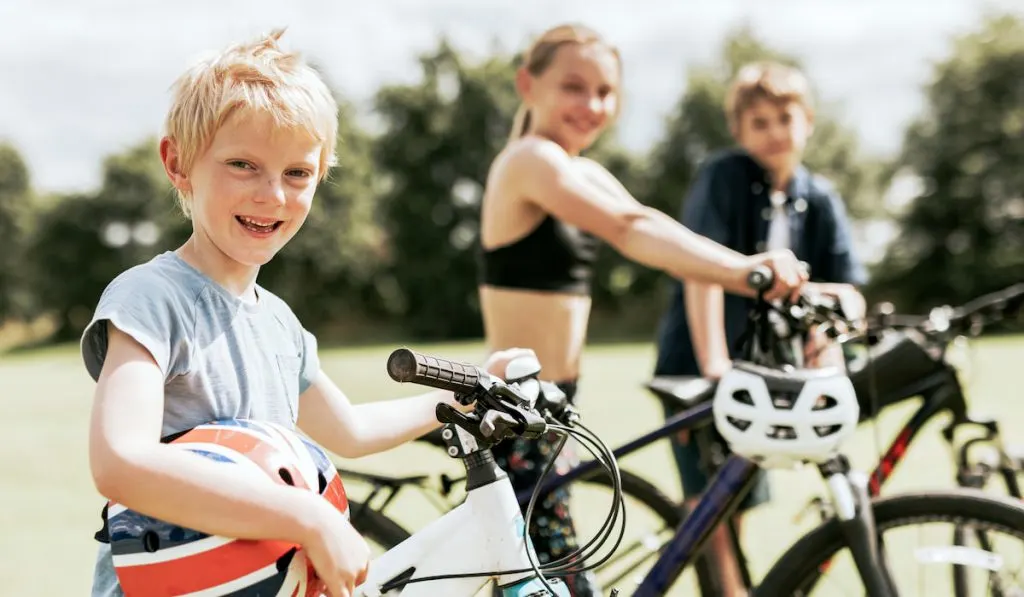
(406, 365)
(761, 278)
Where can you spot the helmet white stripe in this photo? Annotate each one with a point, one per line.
(170, 553)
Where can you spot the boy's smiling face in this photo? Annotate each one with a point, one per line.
(252, 188)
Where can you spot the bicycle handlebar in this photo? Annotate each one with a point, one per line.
(406, 365)
(800, 315)
(761, 278)
(809, 310)
(502, 409)
(969, 317)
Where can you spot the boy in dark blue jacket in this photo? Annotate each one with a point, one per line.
(754, 198)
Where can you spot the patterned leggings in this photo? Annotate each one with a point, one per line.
(552, 530)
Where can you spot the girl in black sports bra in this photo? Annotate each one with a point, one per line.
(554, 257)
(545, 210)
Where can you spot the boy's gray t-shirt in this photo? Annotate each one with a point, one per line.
(222, 358)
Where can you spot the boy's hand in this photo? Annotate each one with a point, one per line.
(853, 303)
(339, 554)
(820, 351)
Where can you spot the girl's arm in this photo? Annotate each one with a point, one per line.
(576, 193)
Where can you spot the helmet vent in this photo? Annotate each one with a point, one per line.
(742, 425)
(781, 432)
(150, 541)
(824, 401)
(743, 397)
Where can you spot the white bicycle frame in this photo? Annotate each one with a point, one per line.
(484, 533)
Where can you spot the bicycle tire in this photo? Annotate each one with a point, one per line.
(799, 564)
(643, 491)
(376, 526)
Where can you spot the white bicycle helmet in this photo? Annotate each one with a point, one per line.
(781, 418)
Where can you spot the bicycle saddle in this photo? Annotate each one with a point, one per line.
(681, 391)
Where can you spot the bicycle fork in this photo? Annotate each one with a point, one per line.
(852, 503)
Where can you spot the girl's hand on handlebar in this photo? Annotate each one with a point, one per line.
(497, 365)
(789, 273)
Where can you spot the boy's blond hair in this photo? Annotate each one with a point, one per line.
(778, 83)
(258, 76)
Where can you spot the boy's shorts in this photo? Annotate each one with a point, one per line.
(695, 479)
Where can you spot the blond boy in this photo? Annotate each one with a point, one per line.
(190, 336)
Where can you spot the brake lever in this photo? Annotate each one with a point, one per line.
(468, 422)
(556, 404)
(507, 399)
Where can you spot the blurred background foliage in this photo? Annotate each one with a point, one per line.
(390, 245)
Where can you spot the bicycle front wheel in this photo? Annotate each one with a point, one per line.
(818, 564)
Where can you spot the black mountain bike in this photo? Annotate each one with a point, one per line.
(905, 358)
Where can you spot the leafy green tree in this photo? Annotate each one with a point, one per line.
(964, 235)
(441, 136)
(82, 241)
(15, 197)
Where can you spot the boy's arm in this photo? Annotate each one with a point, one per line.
(705, 312)
(351, 431)
(705, 213)
(130, 466)
(843, 265)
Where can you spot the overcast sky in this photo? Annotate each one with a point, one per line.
(82, 79)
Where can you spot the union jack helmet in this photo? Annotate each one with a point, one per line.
(153, 558)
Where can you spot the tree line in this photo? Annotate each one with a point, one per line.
(389, 248)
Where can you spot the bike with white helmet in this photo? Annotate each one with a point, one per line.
(770, 418)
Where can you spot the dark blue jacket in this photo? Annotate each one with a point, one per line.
(729, 204)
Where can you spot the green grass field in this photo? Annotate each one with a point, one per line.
(50, 509)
